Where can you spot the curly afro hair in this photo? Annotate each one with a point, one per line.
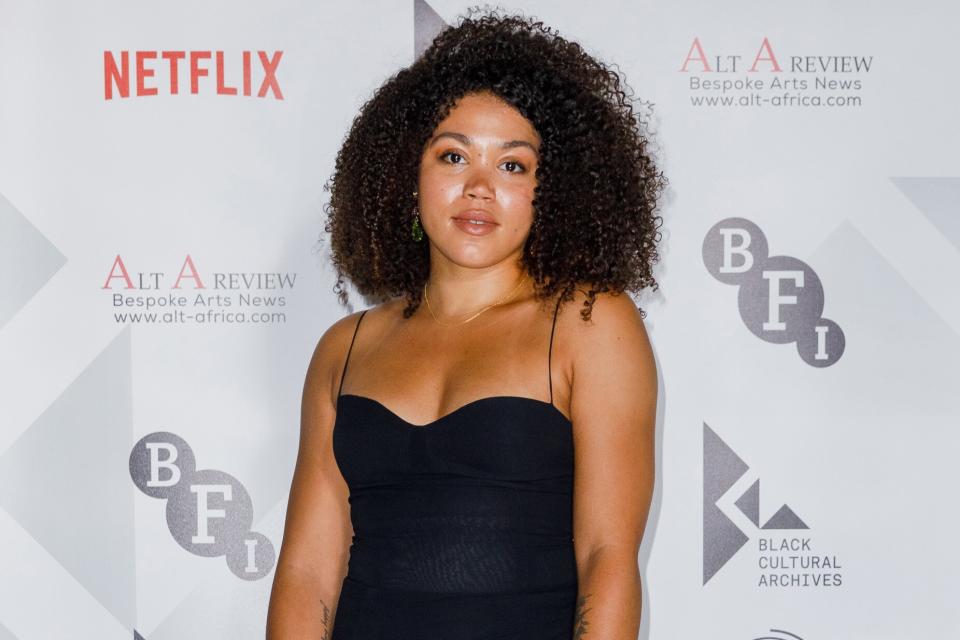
(597, 186)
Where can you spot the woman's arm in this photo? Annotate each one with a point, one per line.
(317, 534)
(613, 410)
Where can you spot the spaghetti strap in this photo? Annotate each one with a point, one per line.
(349, 351)
(550, 350)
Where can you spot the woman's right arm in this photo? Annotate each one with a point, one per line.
(317, 533)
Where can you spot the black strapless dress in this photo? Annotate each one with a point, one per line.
(463, 527)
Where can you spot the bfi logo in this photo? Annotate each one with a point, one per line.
(190, 66)
(209, 513)
(780, 297)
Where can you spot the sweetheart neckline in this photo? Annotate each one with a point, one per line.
(458, 410)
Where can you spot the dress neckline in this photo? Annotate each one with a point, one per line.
(459, 410)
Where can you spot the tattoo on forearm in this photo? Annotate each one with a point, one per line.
(579, 621)
(325, 618)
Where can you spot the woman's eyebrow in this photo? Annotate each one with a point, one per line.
(467, 141)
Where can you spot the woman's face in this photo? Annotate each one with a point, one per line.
(480, 163)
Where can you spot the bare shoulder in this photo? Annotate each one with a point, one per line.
(613, 316)
(611, 351)
(328, 357)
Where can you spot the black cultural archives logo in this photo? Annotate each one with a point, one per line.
(784, 560)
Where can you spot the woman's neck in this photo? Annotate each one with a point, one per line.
(458, 293)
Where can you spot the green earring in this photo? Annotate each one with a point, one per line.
(417, 229)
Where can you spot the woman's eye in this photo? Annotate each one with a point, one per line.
(515, 164)
(447, 154)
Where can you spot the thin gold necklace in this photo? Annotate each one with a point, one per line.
(452, 324)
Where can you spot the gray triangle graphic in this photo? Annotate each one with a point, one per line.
(427, 23)
(722, 467)
(137, 636)
(66, 481)
(784, 518)
(937, 198)
(870, 293)
(749, 503)
(721, 540)
(6, 634)
(27, 260)
(721, 536)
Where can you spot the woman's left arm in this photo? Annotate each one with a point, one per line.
(613, 410)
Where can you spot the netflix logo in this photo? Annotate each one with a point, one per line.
(206, 69)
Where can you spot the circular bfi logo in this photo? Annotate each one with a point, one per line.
(780, 298)
(209, 513)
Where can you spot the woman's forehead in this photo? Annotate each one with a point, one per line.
(487, 119)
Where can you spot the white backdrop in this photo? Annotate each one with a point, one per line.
(827, 369)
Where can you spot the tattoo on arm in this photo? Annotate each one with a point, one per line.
(579, 621)
(326, 621)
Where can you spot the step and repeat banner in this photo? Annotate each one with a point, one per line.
(164, 277)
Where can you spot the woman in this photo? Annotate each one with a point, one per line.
(436, 494)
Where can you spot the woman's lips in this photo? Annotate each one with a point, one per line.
(474, 229)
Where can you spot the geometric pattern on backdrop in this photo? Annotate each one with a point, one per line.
(937, 198)
(27, 260)
(65, 480)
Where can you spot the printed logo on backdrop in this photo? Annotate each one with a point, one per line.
(765, 77)
(168, 72)
(780, 297)
(222, 297)
(209, 513)
(779, 634)
(784, 556)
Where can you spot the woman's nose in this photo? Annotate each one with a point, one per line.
(478, 183)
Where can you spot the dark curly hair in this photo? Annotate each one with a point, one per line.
(597, 185)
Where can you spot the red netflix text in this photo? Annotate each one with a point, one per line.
(195, 65)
